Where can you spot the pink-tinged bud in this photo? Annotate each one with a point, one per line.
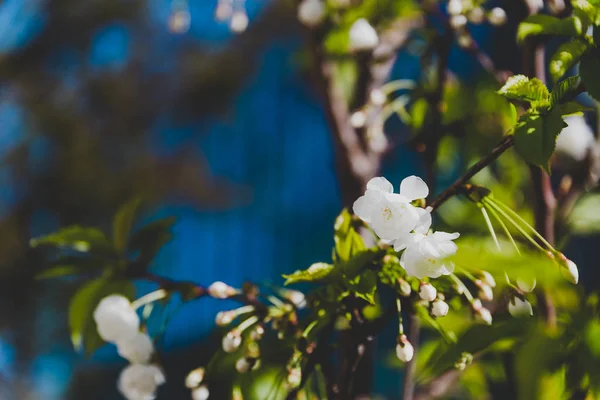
(232, 341)
(485, 291)
(476, 304)
(427, 292)
(404, 350)
(257, 333)
(488, 278)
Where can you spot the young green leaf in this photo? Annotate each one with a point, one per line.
(364, 285)
(314, 273)
(589, 9)
(123, 221)
(533, 91)
(566, 90)
(540, 24)
(58, 271)
(76, 238)
(535, 137)
(347, 241)
(150, 239)
(588, 69)
(565, 57)
(84, 334)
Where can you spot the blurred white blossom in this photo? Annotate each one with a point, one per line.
(311, 12)
(116, 319)
(139, 382)
(136, 349)
(363, 36)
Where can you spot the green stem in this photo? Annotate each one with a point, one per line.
(149, 298)
(505, 229)
(490, 226)
(400, 322)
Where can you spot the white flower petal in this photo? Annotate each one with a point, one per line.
(424, 221)
(441, 236)
(381, 184)
(414, 188)
(363, 208)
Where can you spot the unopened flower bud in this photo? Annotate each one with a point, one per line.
(224, 318)
(488, 278)
(294, 377)
(476, 304)
(484, 315)
(439, 308)
(404, 350)
(569, 269)
(296, 298)
(405, 288)
(257, 333)
(363, 36)
(497, 16)
(179, 21)
(377, 97)
(427, 292)
(194, 378)
(220, 290)
(242, 365)
(518, 307)
(223, 11)
(477, 15)
(232, 341)
(201, 393)
(485, 291)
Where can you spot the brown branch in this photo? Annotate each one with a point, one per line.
(457, 186)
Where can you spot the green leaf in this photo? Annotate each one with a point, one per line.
(58, 271)
(540, 24)
(78, 238)
(589, 9)
(314, 273)
(123, 221)
(565, 90)
(588, 69)
(584, 219)
(84, 334)
(535, 137)
(347, 241)
(565, 57)
(150, 239)
(418, 113)
(572, 108)
(364, 285)
(520, 87)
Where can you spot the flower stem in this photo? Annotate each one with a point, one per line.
(504, 227)
(149, 298)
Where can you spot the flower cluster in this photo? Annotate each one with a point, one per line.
(118, 323)
(399, 223)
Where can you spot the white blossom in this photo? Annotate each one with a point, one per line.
(358, 119)
(377, 97)
(427, 257)
(225, 318)
(296, 297)
(179, 21)
(464, 40)
(221, 290)
(200, 393)
(194, 378)
(139, 382)
(363, 36)
(477, 15)
(497, 16)
(242, 365)
(311, 12)
(439, 308)
(116, 319)
(391, 215)
(455, 7)
(239, 21)
(519, 307)
(136, 349)
(427, 292)
(232, 341)
(574, 142)
(224, 10)
(458, 21)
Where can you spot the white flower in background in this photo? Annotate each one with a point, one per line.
(311, 12)
(363, 36)
(427, 292)
(488, 279)
(239, 21)
(455, 7)
(439, 308)
(224, 10)
(574, 143)
(497, 16)
(404, 350)
(242, 365)
(225, 317)
(518, 307)
(477, 15)
(294, 377)
(220, 290)
(377, 97)
(201, 393)
(458, 21)
(194, 378)
(427, 257)
(179, 21)
(116, 319)
(358, 119)
(139, 382)
(391, 215)
(296, 297)
(232, 341)
(136, 349)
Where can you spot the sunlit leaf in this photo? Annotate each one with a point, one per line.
(316, 272)
(520, 87)
(541, 24)
(77, 238)
(565, 57)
